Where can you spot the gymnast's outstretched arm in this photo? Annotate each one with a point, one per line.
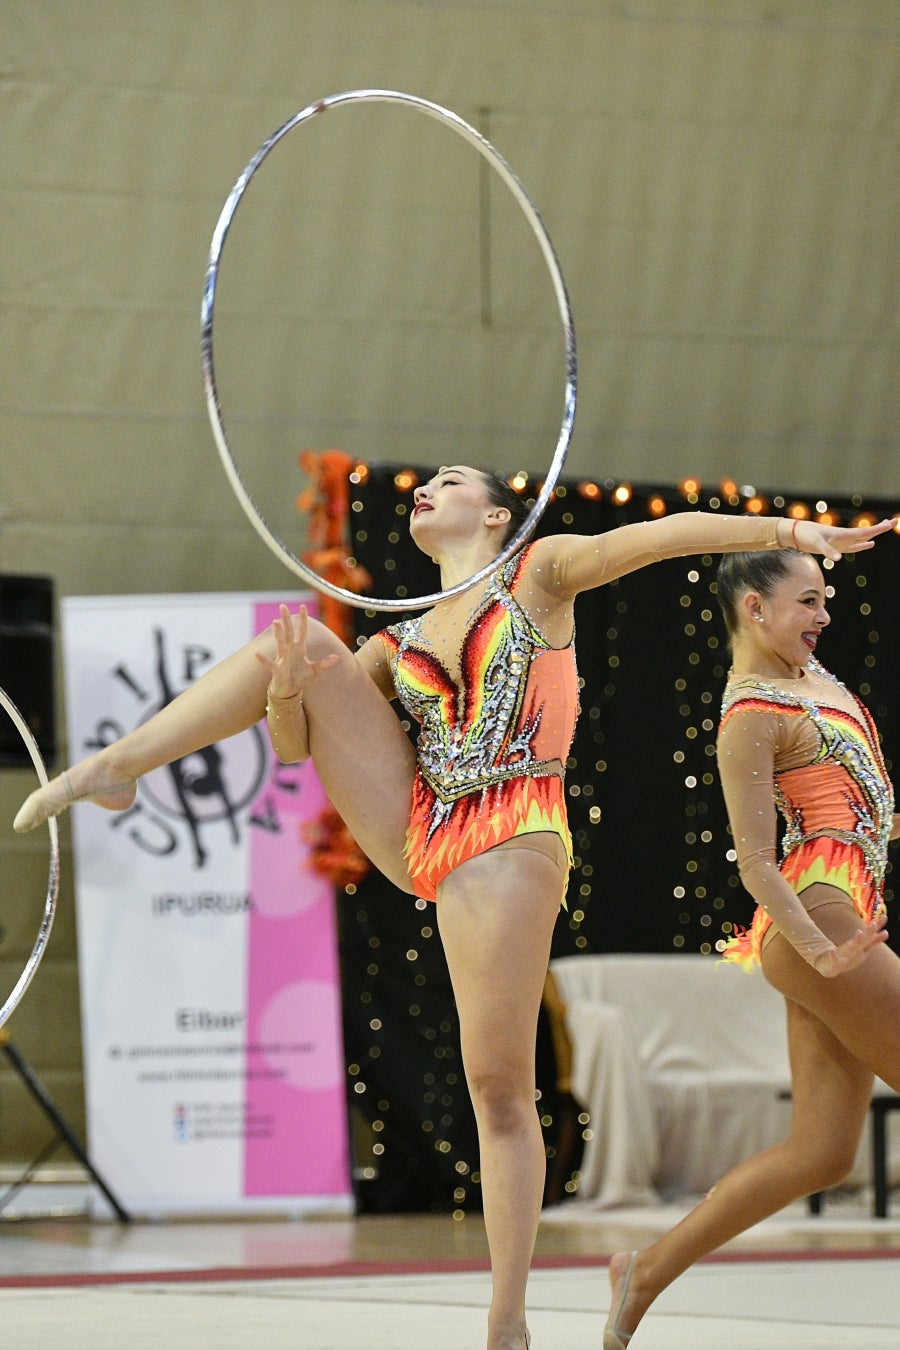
(570, 564)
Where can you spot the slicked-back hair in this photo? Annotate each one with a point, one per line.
(738, 573)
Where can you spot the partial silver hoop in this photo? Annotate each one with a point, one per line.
(53, 881)
(497, 162)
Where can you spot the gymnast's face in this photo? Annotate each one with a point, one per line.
(454, 504)
(786, 624)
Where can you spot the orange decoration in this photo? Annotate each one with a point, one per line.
(327, 502)
(333, 851)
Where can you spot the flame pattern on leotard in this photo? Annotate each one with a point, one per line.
(492, 744)
(838, 809)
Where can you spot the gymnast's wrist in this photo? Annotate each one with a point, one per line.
(818, 953)
(281, 707)
(786, 538)
(822, 962)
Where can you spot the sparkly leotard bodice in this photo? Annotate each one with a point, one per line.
(512, 708)
(497, 707)
(820, 761)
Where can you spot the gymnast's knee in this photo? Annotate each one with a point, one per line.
(321, 641)
(830, 1163)
(500, 1100)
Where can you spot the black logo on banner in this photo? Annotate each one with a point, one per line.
(214, 785)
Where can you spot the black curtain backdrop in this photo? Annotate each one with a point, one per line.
(654, 871)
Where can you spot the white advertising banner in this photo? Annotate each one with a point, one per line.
(210, 991)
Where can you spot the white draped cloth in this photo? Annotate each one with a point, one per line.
(680, 1061)
(619, 1163)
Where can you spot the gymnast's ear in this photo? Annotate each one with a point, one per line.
(749, 607)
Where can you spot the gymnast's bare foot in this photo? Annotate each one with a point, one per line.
(628, 1302)
(93, 779)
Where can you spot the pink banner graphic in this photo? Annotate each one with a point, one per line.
(296, 1140)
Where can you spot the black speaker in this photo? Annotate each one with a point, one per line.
(26, 666)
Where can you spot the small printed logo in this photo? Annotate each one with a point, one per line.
(180, 1123)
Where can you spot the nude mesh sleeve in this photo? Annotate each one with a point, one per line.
(288, 732)
(687, 532)
(746, 750)
(566, 565)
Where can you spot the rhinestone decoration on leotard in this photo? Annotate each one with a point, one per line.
(497, 715)
(852, 859)
(473, 732)
(850, 742)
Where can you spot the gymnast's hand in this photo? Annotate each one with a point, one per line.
(851, 953)
(808, 536)
(291, 669)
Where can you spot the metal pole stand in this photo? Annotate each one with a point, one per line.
(64, 1131)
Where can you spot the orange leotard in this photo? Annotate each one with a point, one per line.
(497, 713)
(815, 758)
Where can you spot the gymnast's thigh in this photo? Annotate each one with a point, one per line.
(861, 1007)
(546, 842)
(496, 913)
(365, 761)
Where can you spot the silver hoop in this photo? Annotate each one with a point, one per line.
(34, 959)
(497, 162)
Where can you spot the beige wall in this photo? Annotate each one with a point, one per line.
(720, 180)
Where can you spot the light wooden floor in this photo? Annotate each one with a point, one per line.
(400, 1282)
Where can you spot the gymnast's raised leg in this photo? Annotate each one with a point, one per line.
(362, 755)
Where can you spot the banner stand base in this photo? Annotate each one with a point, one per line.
(64, 1132)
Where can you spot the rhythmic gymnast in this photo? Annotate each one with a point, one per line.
(793, 739)
(475, 817)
